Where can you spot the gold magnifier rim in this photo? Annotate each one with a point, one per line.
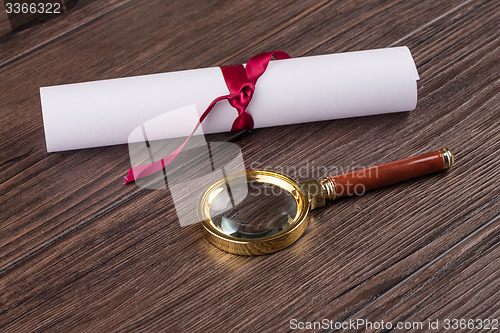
(255, 246)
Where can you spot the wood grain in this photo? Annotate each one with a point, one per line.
(466, 274)
(21, 43)
(81, 252)
(5, 27)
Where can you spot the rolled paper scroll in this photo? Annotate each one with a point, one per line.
(291, 91)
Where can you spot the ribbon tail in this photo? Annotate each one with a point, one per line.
(149, 169)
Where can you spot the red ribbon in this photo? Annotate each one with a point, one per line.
(241, 82)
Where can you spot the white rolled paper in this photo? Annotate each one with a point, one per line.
(291, 91)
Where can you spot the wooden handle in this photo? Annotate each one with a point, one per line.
(358, 182)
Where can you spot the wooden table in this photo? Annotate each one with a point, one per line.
(81, 252)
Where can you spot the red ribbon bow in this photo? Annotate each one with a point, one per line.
(241, 82)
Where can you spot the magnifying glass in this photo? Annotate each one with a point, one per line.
(260, 211)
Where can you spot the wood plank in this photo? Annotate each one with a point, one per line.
(26, 13)
(467, 275)
(135, 268)
(5, 27)
(341, 29)
(16, 45)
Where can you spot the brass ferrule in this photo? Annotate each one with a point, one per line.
(318, 191)
(448, 158)
(329, 186)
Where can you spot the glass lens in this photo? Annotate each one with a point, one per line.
(252, 209)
